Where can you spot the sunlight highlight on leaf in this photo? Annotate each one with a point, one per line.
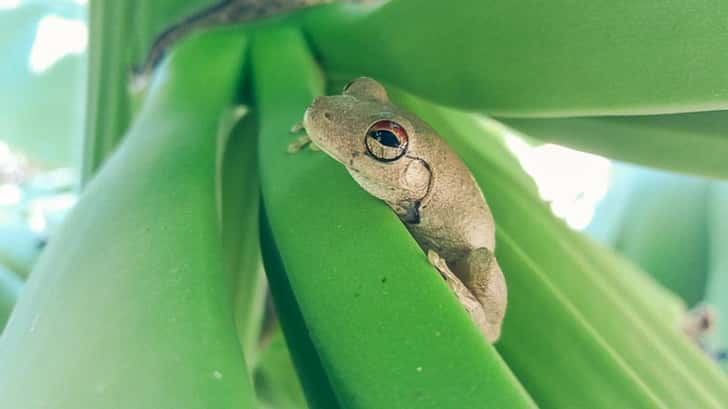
(572, 182)
(10, 194)
(9, 4)
(56, 37)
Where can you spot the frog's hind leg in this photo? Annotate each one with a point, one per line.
(466, 298)
(481, 274)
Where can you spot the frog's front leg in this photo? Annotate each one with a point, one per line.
(466, 298)
(302, 141)
(481, 274)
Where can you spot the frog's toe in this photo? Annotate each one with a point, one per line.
(298, 144)
(297, 127)
(466, 298)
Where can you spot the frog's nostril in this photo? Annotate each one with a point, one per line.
(328, 116)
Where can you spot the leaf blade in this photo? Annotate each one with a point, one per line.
(694, 143)
(533, 58)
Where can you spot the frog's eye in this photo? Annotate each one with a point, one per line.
(386, 141)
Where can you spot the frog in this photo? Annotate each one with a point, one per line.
(398, 158)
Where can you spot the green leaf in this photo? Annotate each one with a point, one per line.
(130, 304)
(663, 229)
(381, 319)
(314, 380)
(108, 104)
(535, 58)
(240, 198)
(276, 383)
(555, 277)
(121, 33)
(691, 143)
(152, 18)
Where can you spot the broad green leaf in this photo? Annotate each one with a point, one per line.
(560, 284)
(535, 58)
(153, 18)
(694, 143)
(387, 329)
(108, 103)
(121, 33)
(130, 304)
(276, 383)
(240, 199)
(314, 379)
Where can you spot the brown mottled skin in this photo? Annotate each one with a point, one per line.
(428, 186)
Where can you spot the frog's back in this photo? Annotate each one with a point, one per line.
(454, 207)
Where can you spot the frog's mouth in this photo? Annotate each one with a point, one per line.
(328, 152)
(315, 126)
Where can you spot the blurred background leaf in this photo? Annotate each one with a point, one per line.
(10, 286)
(41, 100)
(120, 37)
(662, 226)
(675, 227)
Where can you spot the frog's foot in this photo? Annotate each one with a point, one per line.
(466, 298)
(297, 127)
(699, 321)
(481, 274)
(302, 141)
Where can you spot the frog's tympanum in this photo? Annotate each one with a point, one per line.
(398, 158)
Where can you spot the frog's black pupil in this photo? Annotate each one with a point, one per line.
(386, 138)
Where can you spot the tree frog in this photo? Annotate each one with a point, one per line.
(398, 158)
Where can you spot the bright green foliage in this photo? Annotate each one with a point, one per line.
(276, 384)
(241, 245)
(121, 35)
(109, 106)
(551, 257)
(151, 294)
(314, 380)
(375, 347)
(129, 306)
(152, 18)
(536, 58)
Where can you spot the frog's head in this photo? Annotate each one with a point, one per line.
(373, 139)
